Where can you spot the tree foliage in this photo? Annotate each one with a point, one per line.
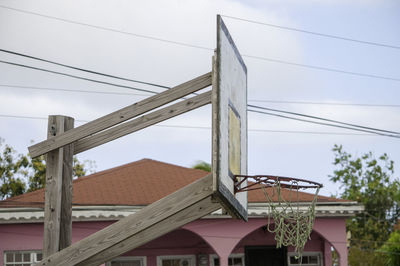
(20, 173)
(201, 165)
(370, 181)
(392, 249)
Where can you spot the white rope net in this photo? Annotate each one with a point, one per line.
(292, 225)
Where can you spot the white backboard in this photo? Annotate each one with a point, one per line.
(229, 100)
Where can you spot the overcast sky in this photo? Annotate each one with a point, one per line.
(276, 145)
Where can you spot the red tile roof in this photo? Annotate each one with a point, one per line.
(138, 183)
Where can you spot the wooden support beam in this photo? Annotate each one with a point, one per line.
(142, 122)
(121, 115)
(190, 214)
(66, 189)
(58, 169)
(136, 228)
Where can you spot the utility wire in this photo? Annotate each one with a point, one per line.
(105, 28)
(250, 100)
(82, 69)
(208, 128)
(324, 124)
(206, 48)
(322, 68)
(123, 86)
(68, 90)
(315, 33)
(323, 119)
(325, 103)
(76, 77)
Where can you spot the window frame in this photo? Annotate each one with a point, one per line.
(143, 259)
(231, 256)
(191, 257)
(315, 253)
(32, 253)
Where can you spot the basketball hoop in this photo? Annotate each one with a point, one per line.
(292, 223)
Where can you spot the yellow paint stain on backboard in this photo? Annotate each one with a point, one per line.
(234, 143)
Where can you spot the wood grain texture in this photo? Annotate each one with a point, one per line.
(52, 207)
(192, 213)
(142, 122)
(121, 115)
(128, 227)
(66, 189)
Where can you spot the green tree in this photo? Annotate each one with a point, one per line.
(20, 173)
(36, 173)
(369, 181)
(11, 180)
(391, 249)
(201, 165)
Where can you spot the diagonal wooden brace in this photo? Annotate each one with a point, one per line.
(121, 115)
(171, 212)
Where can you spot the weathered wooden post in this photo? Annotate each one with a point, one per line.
(58, 196)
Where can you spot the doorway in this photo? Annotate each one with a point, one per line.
(265, 256)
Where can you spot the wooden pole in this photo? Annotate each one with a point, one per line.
(66, 196)
(58, 164)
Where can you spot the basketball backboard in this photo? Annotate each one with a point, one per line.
(229, 104)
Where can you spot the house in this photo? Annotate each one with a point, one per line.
(104, 197)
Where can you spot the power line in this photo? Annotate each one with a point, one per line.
(325, 103)
(322, 68)
(323, 119)
(207, 48)
(250, 100)
(208, 128)
(324, 124)
(315, 33)
(123, 86)
(82, 69)
(76, 77)
(35, 117)
(106, 28)
(68, 90)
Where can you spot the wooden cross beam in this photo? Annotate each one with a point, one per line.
(142, 122)
(121, 115)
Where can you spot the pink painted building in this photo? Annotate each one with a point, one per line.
(105, 197)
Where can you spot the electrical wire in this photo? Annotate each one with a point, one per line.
(106, 28)
(205, 48)
(68, 90)
(322, 68)
(323, 119)
(325, 103)
(208, 128)
(82, 69)
(76, 77)
(314, 33)
(35, 117)
(250, 100)
(143, 90)
(324, 124)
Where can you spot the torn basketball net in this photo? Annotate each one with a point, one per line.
(293, 221)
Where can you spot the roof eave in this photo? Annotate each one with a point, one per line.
(112, 213)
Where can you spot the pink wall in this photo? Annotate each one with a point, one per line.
(206, 236)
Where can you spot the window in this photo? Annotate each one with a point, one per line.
(127, 261)
(233, 260)
(182, 260)
(308, 259)
(21, 258)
